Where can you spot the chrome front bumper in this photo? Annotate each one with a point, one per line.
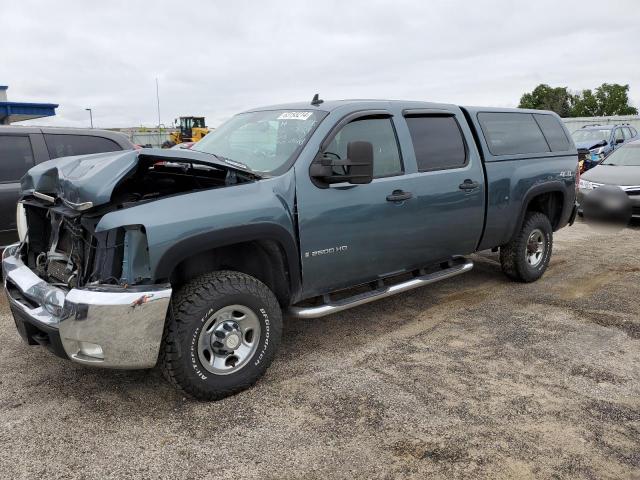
(105, 326)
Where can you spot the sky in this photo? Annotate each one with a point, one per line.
(216, 58)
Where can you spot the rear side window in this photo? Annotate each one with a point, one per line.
(512, 133)
(553, 132)
(68, 145)
(437, 142)
(16, 157)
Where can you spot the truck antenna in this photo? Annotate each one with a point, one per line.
(316, 100)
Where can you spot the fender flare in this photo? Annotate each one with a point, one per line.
(547, 187)
(208, 240)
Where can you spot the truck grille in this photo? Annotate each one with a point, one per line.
(56, 248)
(60, 271)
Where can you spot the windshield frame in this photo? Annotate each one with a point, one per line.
(585, 130)
(286, 165)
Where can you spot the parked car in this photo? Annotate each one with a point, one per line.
(23, 147)
(595, 142)
(620, 169)
(190, 257)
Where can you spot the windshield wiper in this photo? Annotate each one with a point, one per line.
(233, 163)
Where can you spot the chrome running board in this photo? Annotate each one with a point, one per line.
(458, 265)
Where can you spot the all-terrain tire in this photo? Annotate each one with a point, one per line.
(192, 306)
(513, 255)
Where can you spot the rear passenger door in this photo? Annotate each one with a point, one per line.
(16, 157)
(447, 214)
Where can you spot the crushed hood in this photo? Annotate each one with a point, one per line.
(92, 178)
(591, 144)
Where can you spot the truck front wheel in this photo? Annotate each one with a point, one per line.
(526, 257)
(221, 334)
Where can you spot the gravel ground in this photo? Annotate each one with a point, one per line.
(474, 377)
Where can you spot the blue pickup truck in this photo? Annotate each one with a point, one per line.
(188, 258)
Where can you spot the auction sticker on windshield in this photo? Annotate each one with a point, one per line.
(295, 115)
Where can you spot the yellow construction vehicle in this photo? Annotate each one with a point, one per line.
(189, 129)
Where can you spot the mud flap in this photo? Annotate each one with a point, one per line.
(574, 212)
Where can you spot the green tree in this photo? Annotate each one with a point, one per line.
(608, 99)
(585, 104)
(544, 97)
(613, 99)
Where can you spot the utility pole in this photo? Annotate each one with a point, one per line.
(158, 100)
(90, 116)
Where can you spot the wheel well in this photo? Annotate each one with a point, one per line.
(262, 259)
(549, 203)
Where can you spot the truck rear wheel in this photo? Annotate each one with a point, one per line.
(526, 257)
(221, 334)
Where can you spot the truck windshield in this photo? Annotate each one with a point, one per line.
(591, 135)
(628, 156)
(264, 141)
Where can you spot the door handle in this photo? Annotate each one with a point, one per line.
(468, 184)
(399, 196)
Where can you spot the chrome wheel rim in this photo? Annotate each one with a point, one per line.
(228, 339)
(535, 248)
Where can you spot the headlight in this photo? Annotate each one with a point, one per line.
(585, 185)
(21, 221)
(54, 302)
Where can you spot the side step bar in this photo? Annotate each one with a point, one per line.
(458, 265)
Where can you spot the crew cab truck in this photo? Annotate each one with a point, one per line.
(188, 258)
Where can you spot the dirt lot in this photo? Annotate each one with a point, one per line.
(474, 377)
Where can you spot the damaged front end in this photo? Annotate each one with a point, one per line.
(88, 294)
(64, 249)
(64, 246)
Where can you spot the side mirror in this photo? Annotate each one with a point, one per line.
(358, 166)
(619, 140)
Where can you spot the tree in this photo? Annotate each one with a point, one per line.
(613, 99)
(585, 104)
(544, 97)
(608, 99)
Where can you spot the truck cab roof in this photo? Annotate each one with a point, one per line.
(362, 104)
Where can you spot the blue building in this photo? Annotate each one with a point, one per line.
(19, 111)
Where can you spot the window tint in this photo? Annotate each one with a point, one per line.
(553, 132)
(16, 157)
(378, 131)
(619, 134)
(68, 145)
(437, 142)
(512, 133)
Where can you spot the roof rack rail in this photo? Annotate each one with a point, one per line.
(591, 125)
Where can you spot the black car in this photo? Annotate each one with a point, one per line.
(620, 169)
(23, 147)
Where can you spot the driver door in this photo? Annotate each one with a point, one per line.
(352, 234)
